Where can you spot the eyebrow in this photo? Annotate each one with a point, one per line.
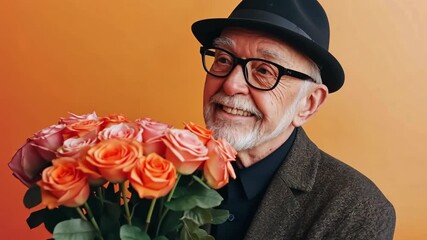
(273, 55)
(266, 53)
(269, 53)
(223, 42)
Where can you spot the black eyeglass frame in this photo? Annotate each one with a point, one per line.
(242, 62)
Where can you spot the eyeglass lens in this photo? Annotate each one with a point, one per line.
(258, 73)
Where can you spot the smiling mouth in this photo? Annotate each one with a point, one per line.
(236, 111)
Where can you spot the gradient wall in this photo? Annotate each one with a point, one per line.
(139, 58)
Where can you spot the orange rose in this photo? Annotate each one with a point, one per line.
(218, 168)
(93, 174)
(63, 184)
(153, 176)
(114, 158)
(185, 150)
(202, 133)
(82, 128)
(113, 119)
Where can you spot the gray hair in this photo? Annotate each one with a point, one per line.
(314, 71)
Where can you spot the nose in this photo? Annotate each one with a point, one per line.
(235, 82)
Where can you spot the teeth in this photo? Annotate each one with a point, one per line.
(236, 111)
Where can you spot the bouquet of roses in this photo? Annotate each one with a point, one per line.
(111, 178)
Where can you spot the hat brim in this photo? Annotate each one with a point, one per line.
(332, 73)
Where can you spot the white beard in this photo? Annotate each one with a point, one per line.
(240, 135)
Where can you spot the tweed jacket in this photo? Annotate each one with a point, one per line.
(315, 196)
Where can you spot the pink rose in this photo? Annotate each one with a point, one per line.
(77, 147)
(218, 168)
(185, 150)
(73, 118)
(63, 184)
(122, 130)
(48, 139)
(27, 164)
(36, 154)
(152, 135)
(152, 129)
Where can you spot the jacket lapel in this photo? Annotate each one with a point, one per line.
(278, 214)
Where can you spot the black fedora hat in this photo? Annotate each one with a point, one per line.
(301, 23)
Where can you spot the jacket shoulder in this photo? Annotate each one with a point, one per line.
(337, 178)
(352, 206)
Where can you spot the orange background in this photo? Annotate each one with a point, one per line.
(139, 58)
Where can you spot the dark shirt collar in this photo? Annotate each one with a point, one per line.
(256, 178)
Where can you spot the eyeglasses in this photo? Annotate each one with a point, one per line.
(259, 73)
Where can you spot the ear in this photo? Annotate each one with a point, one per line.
(310, 104)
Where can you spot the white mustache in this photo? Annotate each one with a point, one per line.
(236, 101)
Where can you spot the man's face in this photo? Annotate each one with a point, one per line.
(248, 118)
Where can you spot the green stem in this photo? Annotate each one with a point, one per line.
(100, 195)
(161, 220)
(79, 210)
(174, 187)
(150, 213)
(161, 206)
(125, 202)
(168, 200)
(92, 220)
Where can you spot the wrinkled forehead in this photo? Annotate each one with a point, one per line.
(240, 31)
(267, 45)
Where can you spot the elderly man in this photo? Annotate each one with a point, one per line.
(268, 72)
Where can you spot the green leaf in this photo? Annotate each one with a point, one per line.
(74, 229)
(195, 195)
(219, 216)
(33, 197)
(191, 231)
(54, 216)
(199, 216)
(36, 218)
(128, 232)
(179, 191)
(200, 181)
(202, 216)
(161, 238)
(171, 223)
